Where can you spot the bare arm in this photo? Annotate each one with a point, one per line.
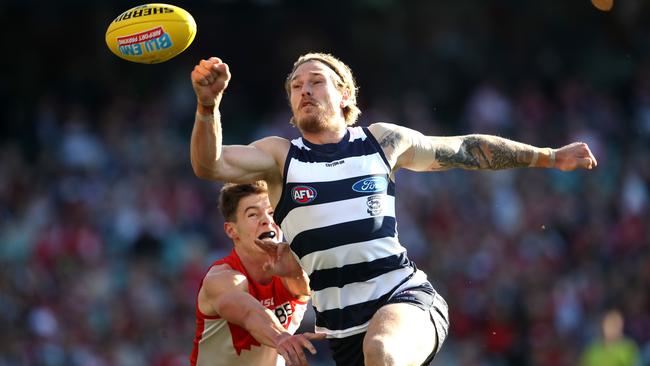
(412, 150)
(225, 291)
(298, 285)
(477, 152)
(210, 158)
(233, 163)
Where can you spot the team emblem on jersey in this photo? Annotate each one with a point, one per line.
(374, 204)
(370, 185)
(303, 194)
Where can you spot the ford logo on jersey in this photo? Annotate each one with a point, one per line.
(303, 194)
(370, 185)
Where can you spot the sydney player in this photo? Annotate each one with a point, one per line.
(250, 303)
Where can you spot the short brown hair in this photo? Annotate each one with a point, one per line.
(346, 82)
(232, 193)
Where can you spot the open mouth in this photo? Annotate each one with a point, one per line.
(267, 235)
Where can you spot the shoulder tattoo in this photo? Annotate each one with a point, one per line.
(390, 139)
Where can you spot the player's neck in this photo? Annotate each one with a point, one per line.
(253, 264)
(328, 136)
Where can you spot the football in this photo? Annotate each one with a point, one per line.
(151, 33)
(603, 5)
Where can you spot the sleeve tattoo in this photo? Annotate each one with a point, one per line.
(485, 152)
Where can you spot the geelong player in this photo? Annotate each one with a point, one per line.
(334, 194)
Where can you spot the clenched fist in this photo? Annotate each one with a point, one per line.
(574, 156)
(209, 79)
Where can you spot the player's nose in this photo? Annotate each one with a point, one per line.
(266, 219)
(306, 89)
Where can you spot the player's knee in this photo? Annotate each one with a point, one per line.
(380, 351)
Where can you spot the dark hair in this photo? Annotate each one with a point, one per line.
(232, 193)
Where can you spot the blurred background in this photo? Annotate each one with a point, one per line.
(105, 232)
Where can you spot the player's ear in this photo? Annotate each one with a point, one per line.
(230, 230)
(345, 100)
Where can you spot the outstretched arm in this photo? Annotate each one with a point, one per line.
(225, 292)
(210, 158)
(414, 151)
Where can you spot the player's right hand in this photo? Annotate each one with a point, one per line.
(280, 262)
(291, 347)
(209, 79)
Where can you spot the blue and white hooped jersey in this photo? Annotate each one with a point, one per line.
(337, 210)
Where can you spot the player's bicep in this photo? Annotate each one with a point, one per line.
(249, 163)
(395, 141)
(223, 288)
(431, 153)
(244, 164)
(234, 163)
(229, 297)
(410, 149)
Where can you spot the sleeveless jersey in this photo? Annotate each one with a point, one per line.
(337, 210)
(220, 343)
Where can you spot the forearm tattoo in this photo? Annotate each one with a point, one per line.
(485, 152)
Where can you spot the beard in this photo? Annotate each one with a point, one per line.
(314, 122)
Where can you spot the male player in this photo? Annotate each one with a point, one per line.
(334, 194)
(250, 303)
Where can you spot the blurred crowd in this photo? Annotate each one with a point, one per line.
(105, 232)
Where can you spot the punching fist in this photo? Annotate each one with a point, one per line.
(209, 79)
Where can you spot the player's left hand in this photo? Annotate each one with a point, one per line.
(281, 261)
(574, 156)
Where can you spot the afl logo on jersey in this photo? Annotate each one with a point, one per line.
(370, 185)
(303, 194)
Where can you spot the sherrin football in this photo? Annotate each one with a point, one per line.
(151, 33)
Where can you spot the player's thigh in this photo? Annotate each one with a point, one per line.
(404, 331)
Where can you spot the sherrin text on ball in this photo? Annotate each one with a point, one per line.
(151, 33)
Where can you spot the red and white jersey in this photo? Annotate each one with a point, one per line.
(219, 343)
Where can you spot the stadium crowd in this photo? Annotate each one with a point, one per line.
(105, 232)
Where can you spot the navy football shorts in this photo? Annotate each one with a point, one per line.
(348, 351)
